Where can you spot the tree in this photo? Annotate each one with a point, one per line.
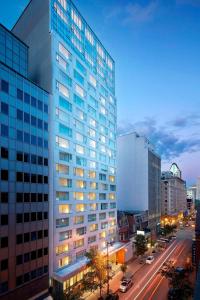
(168, 229)
(178, 280)
(96, 277)
(140, 244)
(124, 268)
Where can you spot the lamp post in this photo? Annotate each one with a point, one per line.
(107, 264)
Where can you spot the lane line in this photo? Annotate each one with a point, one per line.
(165, 259)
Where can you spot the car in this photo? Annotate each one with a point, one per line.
(125, 285)
(149, 260)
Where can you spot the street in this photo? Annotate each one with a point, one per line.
(148, 284)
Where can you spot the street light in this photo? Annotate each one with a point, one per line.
(108, 268)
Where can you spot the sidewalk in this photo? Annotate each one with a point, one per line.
(133, 267)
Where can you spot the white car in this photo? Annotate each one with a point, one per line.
(125, 285)
(149, 260)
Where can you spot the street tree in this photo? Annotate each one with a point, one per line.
(140, 245)
(168, 229)
(97, 275)
(178, 281)
(124, 268)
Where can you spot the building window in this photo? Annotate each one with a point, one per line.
(4, 130)
(4, 153)
(62, 89)
(64, 51)
(4, 197)
(4, 220)
(4, 265)
(4, 86)
(4, 242)
(4, 108)
(4, 175)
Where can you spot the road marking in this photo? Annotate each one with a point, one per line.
(156, 269)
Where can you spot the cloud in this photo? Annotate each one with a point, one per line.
(168, 144)
(137, 13)
(132, 12)
(195, 3)
(189, 120)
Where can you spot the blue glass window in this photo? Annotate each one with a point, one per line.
(4, 86)
(40, 142)
(26, 137)
(78, 77)
(27, 98)
(4, 108)
(40, 106)
(4, 130)
(33, 121)
(26, 118)
(19, 115)
(33, 140)
(33, 101)
(78, 101)
(19, 94)
(65, 130)
(65, 104)
(20, 135)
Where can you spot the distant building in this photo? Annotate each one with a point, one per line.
(198, 189)
(192, 192)
(123, 226)
(138, 180)
(173, 192)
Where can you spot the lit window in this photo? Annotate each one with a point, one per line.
(109, 63)
(62, 249)
(63, 169)
(76, 33)
(79, 172)
(102, 235)
(64, 51)
(92, 80)
(112, 196)
(80, 149)
(92, 174)
(64, 209)
(63, 143)
(103, 110)
(112, 178)
(80, 90)
(79, 220)
(92, 239)
(62, 89)
(64, 261)
(92, 143)
(91, 196)
(92, 164)
(80, 208)
(93, 227)
(78, 196)
(62, 196)
(92, 122)
(79, 243)
(93, 185)
(63, 3)
(76, 19)
(92, 132)
(100, 51)
(62, 116)
(89, 59)
(61, 61)
(102, 100)
(89, 36)
(102, 139)
(81, 184)
(94, 206)
(65, 182)
(60, 12)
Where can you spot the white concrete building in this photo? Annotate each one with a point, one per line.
(173, 192)
(138, 177)
(67, 58)
(198, 189)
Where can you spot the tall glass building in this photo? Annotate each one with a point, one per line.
(68, 60)
(23, 175)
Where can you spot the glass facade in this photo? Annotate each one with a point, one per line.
(84, 93)
(23, 173)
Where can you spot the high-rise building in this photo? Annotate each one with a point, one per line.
(67, 59)
(198, 189)
(23, 175)
(138, 180)
(173, 192)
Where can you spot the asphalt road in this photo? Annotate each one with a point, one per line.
(148, 283)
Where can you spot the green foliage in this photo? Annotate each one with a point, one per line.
(140, 244)
(168, 229)
(96, 277)
(124, 268)
(178, 281)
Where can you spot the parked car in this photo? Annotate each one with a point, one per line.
(149, 260)
(125, 285)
